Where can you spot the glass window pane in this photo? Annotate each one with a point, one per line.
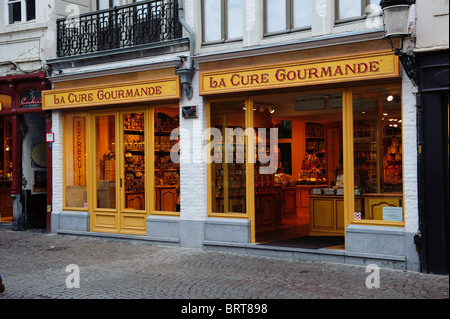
(167, 165)
(75, 159)
(378, 159)
(103, 4)
(212, 20)
(134, 160)
(228, 182)
(234, 17)
(15, 12)
(105, 161)
(31, 10)
(302, 13)
(275, 15)
(349, 9)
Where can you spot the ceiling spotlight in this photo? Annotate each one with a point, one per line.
(271, 109)
(390, 98)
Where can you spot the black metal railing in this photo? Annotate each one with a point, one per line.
(119, 27)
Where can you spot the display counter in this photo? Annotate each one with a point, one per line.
(166, 198)
(327, 214)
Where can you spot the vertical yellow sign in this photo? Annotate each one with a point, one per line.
(79, 150)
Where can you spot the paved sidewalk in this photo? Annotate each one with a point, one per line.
(33, 266)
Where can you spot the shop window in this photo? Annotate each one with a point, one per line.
(228, 163)
(378, 160)
(355, 9)
(287, 15)
(21, 10)
(75, 161)
(167, 164)
(134, 160)
(222, 20)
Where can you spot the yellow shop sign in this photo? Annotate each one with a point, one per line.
(142, 91)
(375, 66)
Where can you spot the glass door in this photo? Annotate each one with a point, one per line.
(133, 168)
(105, 215)
(120, 179)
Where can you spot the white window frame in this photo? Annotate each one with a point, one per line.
(23, 11)
(364, 13)
(223, 24)
(290, 19)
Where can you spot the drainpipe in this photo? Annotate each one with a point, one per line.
(186, 74)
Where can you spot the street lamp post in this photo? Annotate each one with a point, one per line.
(397, 25)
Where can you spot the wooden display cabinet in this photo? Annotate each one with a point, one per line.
(327, 214)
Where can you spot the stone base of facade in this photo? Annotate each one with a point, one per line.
(383, 246)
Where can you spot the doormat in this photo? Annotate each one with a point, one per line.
(309, 242)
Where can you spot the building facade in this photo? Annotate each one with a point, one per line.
(285, 129)
(432, 57)
(26, 39)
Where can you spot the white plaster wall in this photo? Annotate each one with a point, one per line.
(57, 157)
(193, 167)
(432, 24)
(410, 155)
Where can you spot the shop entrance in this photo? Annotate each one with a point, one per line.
(301, 201)
(119, 171)
(133, 174)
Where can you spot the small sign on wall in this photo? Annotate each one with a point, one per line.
(50, 137)
(189, 112)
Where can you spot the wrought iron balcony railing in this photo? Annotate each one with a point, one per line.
(119, 27)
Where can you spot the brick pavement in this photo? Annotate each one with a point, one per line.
(33, 266)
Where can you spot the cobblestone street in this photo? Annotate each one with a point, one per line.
(33, 266)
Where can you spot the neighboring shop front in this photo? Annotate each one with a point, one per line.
(331, 175)
(23, 153)
(113, 151)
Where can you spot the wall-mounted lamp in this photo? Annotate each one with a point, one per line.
(186, 79)
(396, 21)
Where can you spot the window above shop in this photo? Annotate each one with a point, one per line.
(286, 16)
(222, 20)
(21, 11)
(350, 10)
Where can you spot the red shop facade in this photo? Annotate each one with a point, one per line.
(25, 172)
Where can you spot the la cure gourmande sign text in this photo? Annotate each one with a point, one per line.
(297, 74)
(142, 91)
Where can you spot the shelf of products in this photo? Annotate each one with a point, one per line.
(313, 168)
(134, 146)
(167, 173)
